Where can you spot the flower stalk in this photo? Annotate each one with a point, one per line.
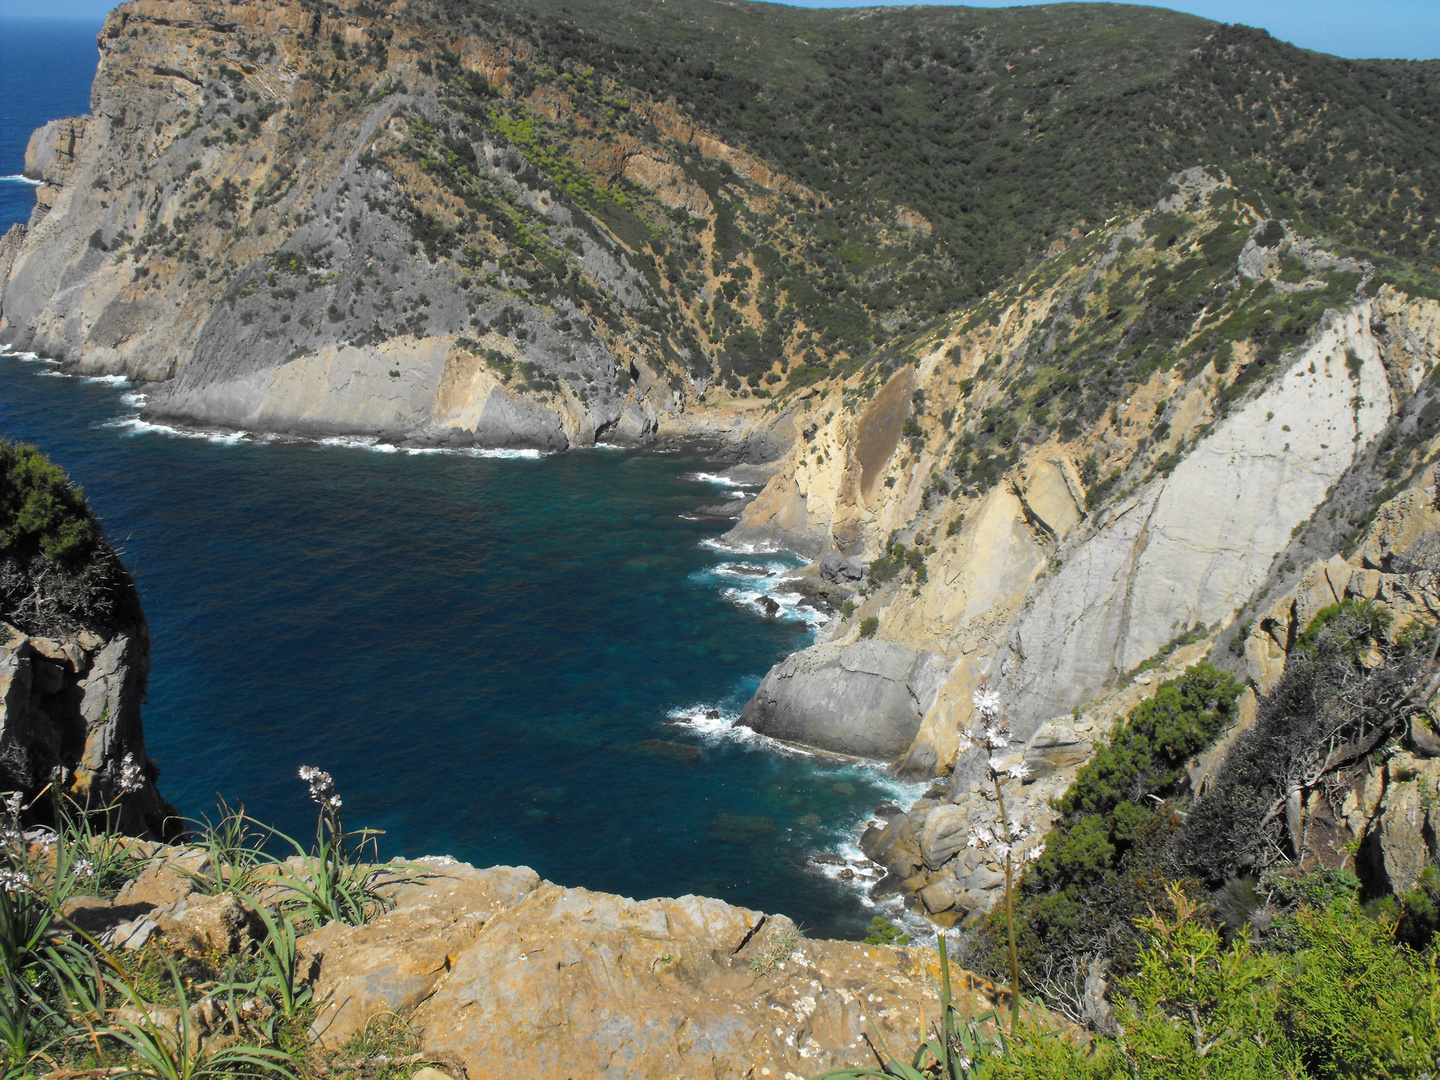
(1006, 841)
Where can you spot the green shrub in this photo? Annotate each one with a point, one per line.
(1347, 1002)
(1105, 861)
(39, 510)
(869, 625)
(885, 932)
(56, 570)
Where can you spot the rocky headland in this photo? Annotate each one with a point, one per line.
(1177, 415)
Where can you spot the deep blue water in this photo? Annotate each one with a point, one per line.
(477, 648)
(46, 67)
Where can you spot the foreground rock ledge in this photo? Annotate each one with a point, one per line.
(502, 971)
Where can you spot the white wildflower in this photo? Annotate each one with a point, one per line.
(12, 804)
(1018, 771)
(1035, 852)
(84, 868)
(13, 881)
(131, 777)
(1001, 850)
(997, 736)
(322, 787)
(987, 702)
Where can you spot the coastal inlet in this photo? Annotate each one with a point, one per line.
(529, 659)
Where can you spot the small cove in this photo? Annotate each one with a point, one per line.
(506, 658)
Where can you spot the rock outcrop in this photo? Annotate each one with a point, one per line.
(497, 970)
(70, 711)
(864, 699)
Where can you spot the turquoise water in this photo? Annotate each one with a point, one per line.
(504, 659)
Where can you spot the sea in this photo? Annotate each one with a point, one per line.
(505, 657)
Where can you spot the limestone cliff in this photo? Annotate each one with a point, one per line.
(70, 713)
(74, 653)
(267, 217)
(1128, 546)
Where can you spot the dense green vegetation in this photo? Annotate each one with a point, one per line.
(1324, 992)
(56, 570)
(1104, 863)
(1232, 951)
(1327, 993)
(1000, 146)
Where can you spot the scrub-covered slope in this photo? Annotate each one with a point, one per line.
(534, 223)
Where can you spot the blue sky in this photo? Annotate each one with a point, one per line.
(1409, 29)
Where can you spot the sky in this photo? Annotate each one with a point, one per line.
(1407, 29)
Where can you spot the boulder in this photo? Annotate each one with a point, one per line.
(864, 699)
(940, 895)
(167, 879)
(1403, 836)
(209, 925)
(1056, 745)
(841, 568)
(943, 834)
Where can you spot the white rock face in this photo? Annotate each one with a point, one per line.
(1194, 546)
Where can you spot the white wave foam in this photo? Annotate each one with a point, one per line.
(19, 178)
(730, 569)
(791, 607)
(135, 399)
(487, 452)
(726, 727)
(863, 872)
(53, 375)
(715, 478)
(609, 446)
(133, 425)
(111, 380)
(355, 442)
(716, 543)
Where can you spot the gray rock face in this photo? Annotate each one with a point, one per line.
(1190, 549)
(73, 704)
(308, 308)
(840, 568)
(864, 699)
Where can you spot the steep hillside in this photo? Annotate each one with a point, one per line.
(1069, 333)
(532, 223)
(1261, 396)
